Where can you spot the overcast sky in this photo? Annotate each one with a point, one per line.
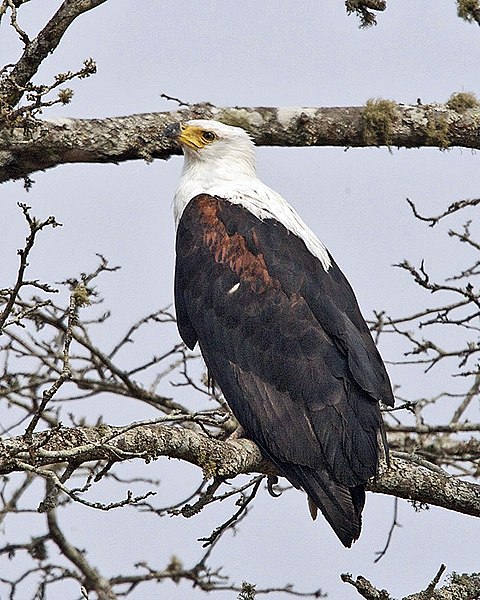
(256, 53)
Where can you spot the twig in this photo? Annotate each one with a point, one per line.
(243, 502)
(92, 578)
(35, 226)
(454, 207)
(433, 584)
(172, 98)
(395, 523)
(77, 298)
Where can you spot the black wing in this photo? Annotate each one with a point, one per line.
(287, 344)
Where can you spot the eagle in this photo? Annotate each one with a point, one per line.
(278, 325)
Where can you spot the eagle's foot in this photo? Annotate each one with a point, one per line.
(237, 434)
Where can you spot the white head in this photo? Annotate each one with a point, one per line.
(219, 160)
(218, 148)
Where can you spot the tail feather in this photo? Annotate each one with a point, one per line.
(340, 505)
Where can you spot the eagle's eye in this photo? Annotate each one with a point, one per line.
(209, 136)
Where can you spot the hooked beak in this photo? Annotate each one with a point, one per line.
(173, 131)
(188, 136)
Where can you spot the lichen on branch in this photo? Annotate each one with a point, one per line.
(140, 137)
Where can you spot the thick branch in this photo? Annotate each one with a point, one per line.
(380, 123)
(404, 478)
(411, 481)
(84, 444)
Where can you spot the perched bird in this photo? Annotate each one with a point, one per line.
(277, 324)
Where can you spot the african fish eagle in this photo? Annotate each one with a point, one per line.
(277, 324)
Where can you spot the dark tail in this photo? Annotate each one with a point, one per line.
(340, 505)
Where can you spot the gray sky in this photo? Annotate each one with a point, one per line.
(287, 53)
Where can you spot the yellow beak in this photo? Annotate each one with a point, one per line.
(186, 135)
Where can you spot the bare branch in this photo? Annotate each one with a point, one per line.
(463, 586)
(77, 298)
(411, 481)
(134, 137)
(435, 429)
(469, 396)
(242, 511)
(12, 86)
(453, 208)
(35, 226)
(224, 459)
(365, 588)
(92, 579)
(380, 554)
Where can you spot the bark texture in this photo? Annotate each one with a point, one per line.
(48, 143)
(465, 586)
(406, 478)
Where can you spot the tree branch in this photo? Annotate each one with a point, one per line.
(469, 10)
(224, 459)
(464, 586)
(113, 140)
(364, 10)
(12, 87)
(146, 441)
(436, 447)
(92, 579)
(417, 482)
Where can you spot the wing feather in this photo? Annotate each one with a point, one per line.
(286, 343)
